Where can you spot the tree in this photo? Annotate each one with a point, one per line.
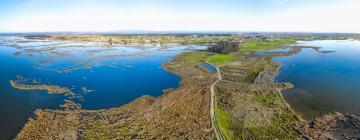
(224, 47)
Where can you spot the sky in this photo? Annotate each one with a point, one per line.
(180, 15)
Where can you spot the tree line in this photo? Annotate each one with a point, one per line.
(224, 47)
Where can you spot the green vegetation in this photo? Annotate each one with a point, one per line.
(224, 47)
(146, 39)
(194, 57)
(268, 126)
(99, 130)
(191, 58)
(248, 111)
(223, 119)
(221, 59)
(244, 110)
(277, 129)
(258, 45)
(267, 99)
(103, 130)
(253, 75)
(266, 60)
(280, 126)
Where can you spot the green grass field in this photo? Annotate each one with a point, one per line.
(258, 45)
(224, 122)
(191, 58)
(220, 59)
(253, 75)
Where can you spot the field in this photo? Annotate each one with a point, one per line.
(248, 105)
(259, 45)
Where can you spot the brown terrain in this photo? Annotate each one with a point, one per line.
(332, 126)
(246, 95)
(253, 106)
(51, 89)
(181, 113)
(253, 103)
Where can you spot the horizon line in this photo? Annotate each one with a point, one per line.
(174, 31)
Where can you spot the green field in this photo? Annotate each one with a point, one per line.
(220, 59)
(191, 58)
(223, 119)
(258, 45)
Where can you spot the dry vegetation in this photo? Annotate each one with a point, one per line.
(249, 105)
(332, 126)
(143, 39)
(253, 110)
(51, 89)
(181, 113)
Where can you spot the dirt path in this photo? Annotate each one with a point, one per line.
(214, 124)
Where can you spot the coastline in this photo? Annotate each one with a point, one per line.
(295, 49)
(51, 89)
(298, 116)
(253, 94)
(175, 114)
(332, 125)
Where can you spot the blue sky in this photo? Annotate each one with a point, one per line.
(180, 15)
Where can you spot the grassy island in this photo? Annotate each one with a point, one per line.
(51, 89)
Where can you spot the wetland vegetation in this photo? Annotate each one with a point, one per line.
(249, 103)
(51, 89)
(179, 70)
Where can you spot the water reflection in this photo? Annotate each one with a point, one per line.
(325, 82)
(114, 74)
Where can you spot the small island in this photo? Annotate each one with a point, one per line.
(241, 96)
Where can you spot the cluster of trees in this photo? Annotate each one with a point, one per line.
(224, 47)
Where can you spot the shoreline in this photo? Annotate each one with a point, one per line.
(261, 92)
(180, 106)
(331, 125)
(295, 49)
(136, 40)
(51, 89)
(298, 116)
(176, 112)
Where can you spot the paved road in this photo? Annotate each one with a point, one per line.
(214, 124)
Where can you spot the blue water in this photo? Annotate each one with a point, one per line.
(209, 67)
(286, 49)
(325, 82)
(117, 74)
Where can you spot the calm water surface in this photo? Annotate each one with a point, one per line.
(209, 67)
(115, 75)
(325, 82)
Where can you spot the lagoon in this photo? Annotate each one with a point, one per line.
(324, 82)
(100, 75)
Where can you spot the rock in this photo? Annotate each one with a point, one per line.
(328, 125)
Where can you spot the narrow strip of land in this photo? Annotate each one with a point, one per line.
(51, 89)
(214, 124)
